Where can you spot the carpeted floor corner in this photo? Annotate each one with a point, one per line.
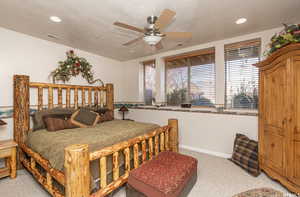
(217, 177)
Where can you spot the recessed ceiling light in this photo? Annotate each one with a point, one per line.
(241, 21)
(55, 19)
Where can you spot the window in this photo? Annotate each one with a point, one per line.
(241, 75)
(149, 81)
(190, 78)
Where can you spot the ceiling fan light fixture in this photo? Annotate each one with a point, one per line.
(152, 39)
(55, 19)
(241, 21)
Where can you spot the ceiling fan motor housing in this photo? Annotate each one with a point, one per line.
(152, 19)
(151, 30)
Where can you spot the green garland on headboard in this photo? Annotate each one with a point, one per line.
(72, 67)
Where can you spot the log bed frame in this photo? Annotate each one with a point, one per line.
(76, 176)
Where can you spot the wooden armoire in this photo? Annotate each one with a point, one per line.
(279, 116)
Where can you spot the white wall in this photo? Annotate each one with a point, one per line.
(205, 132)
(26, 55)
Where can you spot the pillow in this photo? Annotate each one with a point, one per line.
(245, 154)
(96, 109)
(102, 111)
(107, 116)
(85, 118)
(37, 117)
(55, 122)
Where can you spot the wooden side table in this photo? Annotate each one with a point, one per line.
(8, 151)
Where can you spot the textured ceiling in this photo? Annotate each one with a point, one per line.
(87, 24)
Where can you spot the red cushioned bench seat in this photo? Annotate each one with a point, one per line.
(169, 174)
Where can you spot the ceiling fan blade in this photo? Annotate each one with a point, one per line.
(164, 19)
(159, 46)
(130, 27)
(178, 35)
(133, 41)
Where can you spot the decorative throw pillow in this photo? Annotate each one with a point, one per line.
(55, 122)
(245, 154)
(99, 110)
(107, 116)
(37, 117)
(85, 118)
(102, 111)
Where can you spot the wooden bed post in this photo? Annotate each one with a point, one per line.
(77, 171)
(173, 124)
(21, 110)
(110, 97)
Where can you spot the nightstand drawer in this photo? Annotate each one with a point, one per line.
(5, 153)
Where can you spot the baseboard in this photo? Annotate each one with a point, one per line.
(200, 150)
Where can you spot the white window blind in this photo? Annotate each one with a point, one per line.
(190, 78)
(149, 81)
(241, 76)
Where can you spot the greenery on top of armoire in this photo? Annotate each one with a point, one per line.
(290, 34)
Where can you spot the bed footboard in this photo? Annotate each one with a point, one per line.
(77, 170)
(78, 158)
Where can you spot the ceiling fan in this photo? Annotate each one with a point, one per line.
(152, 34)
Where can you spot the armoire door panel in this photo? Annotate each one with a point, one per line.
(294, 158)
(274, 115)
(295, 168)
(274, 155)
(275, 96)
(297, 160)
(296, 68)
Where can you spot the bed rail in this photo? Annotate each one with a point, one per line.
(31, 162)
(154, 148)
(144, 148)
(97, 92)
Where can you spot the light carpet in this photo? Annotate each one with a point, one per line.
(217, 177)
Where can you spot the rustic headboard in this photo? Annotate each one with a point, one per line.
(32, 94)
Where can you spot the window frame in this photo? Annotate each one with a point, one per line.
(236, 45)
(210, 50)
(144, 63)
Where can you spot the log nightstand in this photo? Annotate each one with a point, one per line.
(8, 151)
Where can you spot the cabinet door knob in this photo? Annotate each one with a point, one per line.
(283, 121)
(272, 145)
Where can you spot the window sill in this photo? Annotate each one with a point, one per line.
(200, 110)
